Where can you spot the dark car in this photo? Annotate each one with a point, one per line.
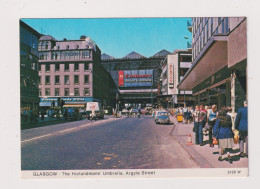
(72, 114)
(162, 117)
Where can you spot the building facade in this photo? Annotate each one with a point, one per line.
(135, 76)
(219, 61)
(71, 70)
(29, 78)
(174, 67)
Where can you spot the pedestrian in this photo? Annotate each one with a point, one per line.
(212, 116)
(241, 126)
(93, 115)
(223, 133)
(198, 117)
(188, 115)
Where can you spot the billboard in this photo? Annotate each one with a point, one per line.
(135, 78)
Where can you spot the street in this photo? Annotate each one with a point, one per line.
(112, 143)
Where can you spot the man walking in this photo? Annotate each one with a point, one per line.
(241, 126)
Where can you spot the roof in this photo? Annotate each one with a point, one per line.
(105, 56)
(161, 53)
(47, 37)
(134, 55)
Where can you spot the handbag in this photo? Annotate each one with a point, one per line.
(215, 141)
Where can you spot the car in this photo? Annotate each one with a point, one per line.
(72, 114)
(162, 117)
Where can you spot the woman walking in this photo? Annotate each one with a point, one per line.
(212, 116)
(223, 132)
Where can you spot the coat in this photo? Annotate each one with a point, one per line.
(221, 131)
(241, 120)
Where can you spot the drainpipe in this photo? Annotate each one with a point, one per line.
(233, 94)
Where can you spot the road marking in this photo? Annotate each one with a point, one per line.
(68, 130)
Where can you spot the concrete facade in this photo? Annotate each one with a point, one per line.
(219, 54)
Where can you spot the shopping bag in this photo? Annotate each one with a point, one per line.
(236, 136)
(215, 141)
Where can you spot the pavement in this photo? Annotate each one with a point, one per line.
(205, 156)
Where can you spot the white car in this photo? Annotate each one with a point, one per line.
(162, 117)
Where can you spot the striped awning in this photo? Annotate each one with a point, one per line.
(74, 105)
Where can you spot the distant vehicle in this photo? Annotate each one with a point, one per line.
(96, 106)
(72, 114)
(143, 111)
(162, 117)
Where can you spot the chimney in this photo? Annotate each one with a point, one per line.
(83, 37)
(64, 39)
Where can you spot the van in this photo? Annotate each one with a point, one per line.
(98, 110)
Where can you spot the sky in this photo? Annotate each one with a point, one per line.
(118, 37)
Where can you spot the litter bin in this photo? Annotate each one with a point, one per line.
(179, 117)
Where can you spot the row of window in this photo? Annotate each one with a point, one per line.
(201, 33)
(65, 55)
(85, 92)
(66, 67)
(45, 46)
(66, 80)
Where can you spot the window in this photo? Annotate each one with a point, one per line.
(85, 54)
(86, 92)
(47, 80)
(57, 67)
(227, 25)
(46, 45)
(76, 67)
(47, 92)
(57, 80)
(76, 92)
(219, 20)
(40, 92)
(40, 80)
(67, 67)
(66, 92)
(66, 79)
(67, 47)
(47, 67)
(76, 79)
(86, 79)
(57, 92)
(86, 66)
(223, 27)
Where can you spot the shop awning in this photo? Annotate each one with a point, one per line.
(212, 58)
(74, 105)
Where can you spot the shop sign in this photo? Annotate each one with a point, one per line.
(170, 76)
(68, 99)
(136, 78)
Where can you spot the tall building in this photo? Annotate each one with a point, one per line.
(135, 76)
(219, 61)
(71, 70)
(29, 78)
(174, 67)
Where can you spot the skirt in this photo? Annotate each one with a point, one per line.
(226, 143)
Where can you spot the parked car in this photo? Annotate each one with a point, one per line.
(72, 114)
(96, 106)
(162, 117)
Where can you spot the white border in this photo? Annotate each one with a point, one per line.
(12, 10)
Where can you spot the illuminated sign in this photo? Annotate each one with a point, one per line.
(170, 75)
(135, 78)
